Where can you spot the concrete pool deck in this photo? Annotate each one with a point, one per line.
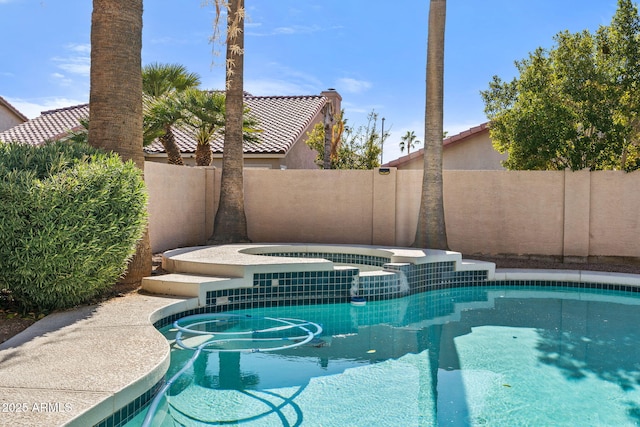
(77, 367)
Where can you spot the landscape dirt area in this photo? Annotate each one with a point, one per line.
(13, 322)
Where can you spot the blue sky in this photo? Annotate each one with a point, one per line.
(373, 52)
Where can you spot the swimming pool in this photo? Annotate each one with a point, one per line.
(481, 355)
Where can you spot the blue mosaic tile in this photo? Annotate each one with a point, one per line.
(126, 413)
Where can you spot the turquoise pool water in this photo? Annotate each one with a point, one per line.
(481, 356)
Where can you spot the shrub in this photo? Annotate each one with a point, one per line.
(70, 218)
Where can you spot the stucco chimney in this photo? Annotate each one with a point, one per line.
(335, 99)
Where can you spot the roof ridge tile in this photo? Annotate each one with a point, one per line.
(57, 110)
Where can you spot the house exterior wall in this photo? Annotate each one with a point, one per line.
(474, 153)
(417, 163)
(8, 119)
(300, 156)
(576, 216)
(260, 162)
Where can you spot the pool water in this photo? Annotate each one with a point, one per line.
(481, 356)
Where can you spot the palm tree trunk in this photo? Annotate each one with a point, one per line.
(168, 140)
(115, 99)
(328, 119)
(431, 231)
(203, 154)
(230, 224)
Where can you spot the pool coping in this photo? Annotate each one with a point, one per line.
(84, 364)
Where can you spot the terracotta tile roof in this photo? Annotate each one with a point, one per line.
(13, 109)
(466, 134)
(447, 142)
(282, 119)
(48, 125)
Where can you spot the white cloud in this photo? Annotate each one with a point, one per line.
(78, 61)
(350, 85)
(363, 110)
(276, 87)
(76, 67)
(62, 79)
(296, 29)
(290, 30)
(278, 79)
(84, 48)
(33, 108)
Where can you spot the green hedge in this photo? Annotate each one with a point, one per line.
(70, 218)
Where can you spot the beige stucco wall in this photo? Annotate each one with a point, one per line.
(177, 205)
(615, 214)
(309, 206)
(407, 202)
(577, 202)
(564, 214)
(505, 212)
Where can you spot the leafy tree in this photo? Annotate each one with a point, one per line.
(431, 231)
(115, 96)
(408, 140)
(576, 105)
(328, 143)
(160, 84)
(337, 132)
(359, 149)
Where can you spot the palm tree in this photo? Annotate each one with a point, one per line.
(160, 115)
(431, 231)
(230, 223)
(115, 98)
(160, 83)
(409, 140)
(205, 112)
